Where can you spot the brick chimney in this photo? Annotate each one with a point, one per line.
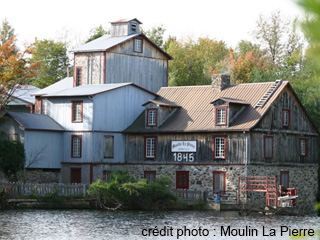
(220, 81)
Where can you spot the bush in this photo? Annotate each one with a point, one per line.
(12, 157)
(137, 194)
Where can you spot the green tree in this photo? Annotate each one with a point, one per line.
(278, 36)
(12, 157)
(156, 35)
(6, 32)
(52, 60)
(96, 33)
(194, 61)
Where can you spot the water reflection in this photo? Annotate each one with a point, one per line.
(84, 224)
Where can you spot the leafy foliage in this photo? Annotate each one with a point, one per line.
(12, 157)
(127, 193)
(96, 33)
(194, 62)
(156, 35)
(15, 69)
(52, 61)
(6, 32)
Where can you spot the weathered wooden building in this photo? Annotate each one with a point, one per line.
(126, 55)
(206, 137)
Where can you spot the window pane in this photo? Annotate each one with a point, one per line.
(138, 45)
(108, 146)
(76, 147)
(152, 117)
(302, 147)
(221, 116)
(77, 111)
(78, 76)
(219, 147)
(150, 147)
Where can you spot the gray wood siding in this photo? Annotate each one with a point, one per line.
(10, 127)
(298, 118)
(117, 109)
(285, 149)
(145, 72)
(235, 149)
(92, 149)
(285, 139)
(43, 149)
(60, 110)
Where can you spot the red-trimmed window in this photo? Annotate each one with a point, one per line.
(219, 146)
(108, 146)
(137, 45)
(150, 147)
(268, 147)
(221, 115)
(152, 117)
(182, 179)
(76, 146)
(219, 181)
(284, 178)
(150, 176)
(78, 78)
(303, 147)
(77, 111)
(286, 118)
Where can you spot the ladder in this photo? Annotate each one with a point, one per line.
(269, 93)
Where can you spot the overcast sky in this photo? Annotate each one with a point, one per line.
(227, 20)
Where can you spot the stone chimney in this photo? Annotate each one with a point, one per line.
(220, 81)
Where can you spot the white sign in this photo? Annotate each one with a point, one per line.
(183, 146)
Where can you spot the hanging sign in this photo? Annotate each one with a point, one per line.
(184, 146)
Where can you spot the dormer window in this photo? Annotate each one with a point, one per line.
(152, 117)
(286, 118)
(137, 45)
(133, 27)
(221, 115)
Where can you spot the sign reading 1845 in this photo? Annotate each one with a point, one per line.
(183, 151)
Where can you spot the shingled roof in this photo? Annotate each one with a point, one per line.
(196, 110)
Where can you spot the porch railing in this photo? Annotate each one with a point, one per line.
(191, 195)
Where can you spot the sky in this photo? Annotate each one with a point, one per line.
(72, 20)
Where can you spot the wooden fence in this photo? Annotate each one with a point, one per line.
(191, 195)
(27, 189)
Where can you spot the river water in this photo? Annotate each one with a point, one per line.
(92, 224)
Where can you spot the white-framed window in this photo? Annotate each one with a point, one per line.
(221, 115)
(150, 147)
(219, 147)
(77, 108)
(152, 117)
(76, 145)
(137, 45)
(285, 117)
(108, 146)
(303, 151)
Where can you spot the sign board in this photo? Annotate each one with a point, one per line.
(183, 146)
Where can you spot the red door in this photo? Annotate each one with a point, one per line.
(75, 175)
(182, 179)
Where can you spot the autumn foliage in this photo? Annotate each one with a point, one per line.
(14, 69)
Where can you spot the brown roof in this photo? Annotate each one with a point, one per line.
(196, 112)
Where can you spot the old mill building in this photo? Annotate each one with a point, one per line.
(117, 112)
